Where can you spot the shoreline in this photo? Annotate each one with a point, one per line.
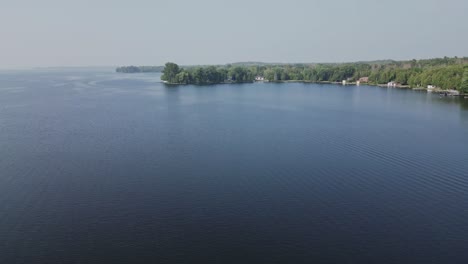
(420, 89)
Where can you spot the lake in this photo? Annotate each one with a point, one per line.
(101, 167)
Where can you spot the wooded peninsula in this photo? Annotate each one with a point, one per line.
(443, 73)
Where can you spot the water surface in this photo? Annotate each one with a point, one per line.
(100, 167)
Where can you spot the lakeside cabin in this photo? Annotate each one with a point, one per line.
(393, 84)
(453, 92)
(259, 78)
(363, 80)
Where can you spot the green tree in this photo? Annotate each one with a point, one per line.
(170, 72)
(464, 83)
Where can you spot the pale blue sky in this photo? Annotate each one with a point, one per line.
(143, 32)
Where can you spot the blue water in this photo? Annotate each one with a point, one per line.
(100, 167)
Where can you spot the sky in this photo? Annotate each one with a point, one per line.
(54, 33)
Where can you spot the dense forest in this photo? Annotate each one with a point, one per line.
(445, 73)
(136, 69)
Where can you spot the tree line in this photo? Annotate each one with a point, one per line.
(446, 73)
(137, 69)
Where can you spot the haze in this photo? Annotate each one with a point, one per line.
(97, 33)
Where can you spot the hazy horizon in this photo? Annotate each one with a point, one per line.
(112, 33)
(234, 62)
